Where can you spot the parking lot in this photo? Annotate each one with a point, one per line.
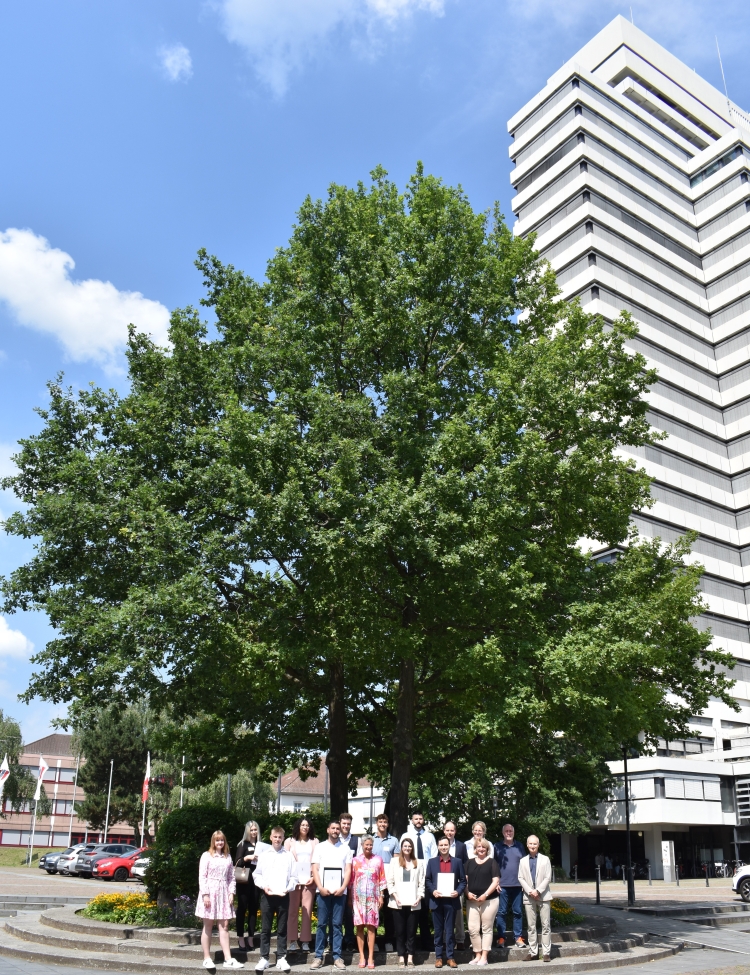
(32, 880)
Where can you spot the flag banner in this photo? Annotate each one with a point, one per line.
(147, 779)
(43, 769)
(4, 774)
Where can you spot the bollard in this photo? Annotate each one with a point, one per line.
(706, 866)
(623, 874)
(677, 875)
(598, 881)
(575, 868)
(649, 876)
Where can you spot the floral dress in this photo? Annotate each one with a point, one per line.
(366, 885)
(216, 878)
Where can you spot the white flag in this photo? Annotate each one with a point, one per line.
(147, 779)
(4, 773)
(43, 769)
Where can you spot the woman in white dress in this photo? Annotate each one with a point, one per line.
(216, 887)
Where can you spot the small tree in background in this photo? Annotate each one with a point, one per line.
(20, 785)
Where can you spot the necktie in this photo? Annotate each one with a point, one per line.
(420, 848)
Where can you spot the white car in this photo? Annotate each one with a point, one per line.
(741, 882)
(67, 863)
(139, 867)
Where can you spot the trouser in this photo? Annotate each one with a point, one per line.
(425, 931)
(514, 896)
(330, 916)
(304, 896)
(268, 907)
(536, 909)
(480, 918)
(405, 922)
(459, 926)
(247, 903)
(388, 919)
(349, 938)
(443, 919)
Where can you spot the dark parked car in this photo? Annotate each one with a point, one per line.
(86, 860)
(48, 861)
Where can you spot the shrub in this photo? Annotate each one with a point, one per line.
(562, 913)
(183, 835)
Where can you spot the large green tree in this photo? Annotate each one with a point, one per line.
(348, 519)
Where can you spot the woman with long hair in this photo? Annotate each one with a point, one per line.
(405, 877)
(366, 888)
(246, 855)
(216, 886)
(301, 844)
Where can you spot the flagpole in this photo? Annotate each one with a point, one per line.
(109, 793)
(33, 828)
(182, 781)
(144, 797)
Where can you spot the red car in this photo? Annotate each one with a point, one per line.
(116, 868)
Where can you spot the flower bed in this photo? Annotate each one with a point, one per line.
(139, 909)
(562, 913)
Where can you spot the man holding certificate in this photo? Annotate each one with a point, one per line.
(445, 881)
(331, 870)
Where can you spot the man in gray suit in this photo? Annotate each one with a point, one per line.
(535, 876)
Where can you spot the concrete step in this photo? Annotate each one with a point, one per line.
(39, 930)
(685, 912)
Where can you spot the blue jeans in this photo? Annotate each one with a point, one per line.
(515, 896)
(330, 915)
(443, 921)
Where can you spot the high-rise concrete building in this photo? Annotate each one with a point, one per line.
(633, 173)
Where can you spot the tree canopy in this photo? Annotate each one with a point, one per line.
(347, 518)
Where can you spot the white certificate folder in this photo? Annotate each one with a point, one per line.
(446, 884)
(333, 877)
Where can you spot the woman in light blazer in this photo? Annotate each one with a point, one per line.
(405, 877)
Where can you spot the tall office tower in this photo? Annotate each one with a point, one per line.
(633, 173)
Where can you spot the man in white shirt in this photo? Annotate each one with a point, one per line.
(331, 870)
(275, 875)
(426, 849)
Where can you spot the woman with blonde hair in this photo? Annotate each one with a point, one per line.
(478, 832)
(482, 882)
(405, 878)
(216, 898)
(246, 855)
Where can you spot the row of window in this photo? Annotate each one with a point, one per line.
(708, 790)
(54, 774)
(60, 807)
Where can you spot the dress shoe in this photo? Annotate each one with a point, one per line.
(438, 963)
(546, 958)
(452, 963)
(531, 958)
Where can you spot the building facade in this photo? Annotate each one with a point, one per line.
(295, 794)
(62, 827)
(633, 172)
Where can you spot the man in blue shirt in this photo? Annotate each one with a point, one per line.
(386, 847)
(509, 854)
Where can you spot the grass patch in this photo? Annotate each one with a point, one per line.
(15, 856)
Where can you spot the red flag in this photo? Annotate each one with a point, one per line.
(144, 793)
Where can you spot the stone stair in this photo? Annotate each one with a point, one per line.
(57, 935)
(711, 915)
(11, 904)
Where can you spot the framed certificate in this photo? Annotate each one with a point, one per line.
(333, 877)
(446, 884)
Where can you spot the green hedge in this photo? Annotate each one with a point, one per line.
(183, 835)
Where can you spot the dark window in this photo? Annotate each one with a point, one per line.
(586, 196)
(576, 83)
(592, 259)
(659, 788)
(581, 138)
(579, 110)
(727, 744)
(589, 227)
(743, 177)
(584, 167)
(594, 293)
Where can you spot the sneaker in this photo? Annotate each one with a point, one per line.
(207, 963)
(339, 963)
(232, 963)
(282, 965)
(317, 963)
(293, 946)
(262, 965)
(521, 943)
(305, 945)
(500, 942)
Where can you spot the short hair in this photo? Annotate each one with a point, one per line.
(296, 828)
(532, 837)
(478, 823)
(484, 843)
(449, 823)
(416, 812)
(278, 829)
(382, 816)
(332, 822)
(367, 838)
(346, 815)
(444, 837)
(218, 835)
(509, 826)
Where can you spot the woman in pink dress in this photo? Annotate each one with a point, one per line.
(366, 896)
(216, 886)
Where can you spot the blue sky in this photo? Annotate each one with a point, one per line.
(136, 132)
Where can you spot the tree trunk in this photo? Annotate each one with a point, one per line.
(336, 758)
(403, 748)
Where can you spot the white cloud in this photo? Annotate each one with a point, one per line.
(176, 62)
(280, 35)
(13, 643)
(90, 318)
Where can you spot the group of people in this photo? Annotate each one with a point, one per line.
(415, 882)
